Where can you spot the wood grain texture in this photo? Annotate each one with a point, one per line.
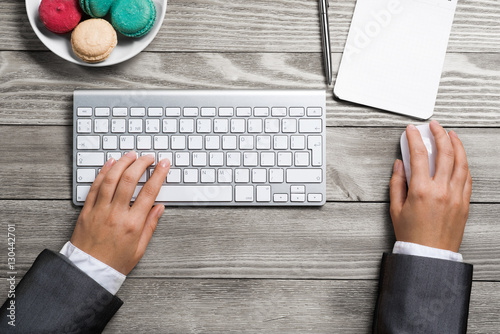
(38, 165)
(266, 306)
(267, 26)
(37, 87)
(337, 241)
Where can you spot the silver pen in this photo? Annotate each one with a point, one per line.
(325, 37)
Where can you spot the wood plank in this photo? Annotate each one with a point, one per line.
(38, 86)
(267, 26)
(337, 241)
(266, 306)
(37, 164)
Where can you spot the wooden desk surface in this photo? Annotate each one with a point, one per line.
(252, 270)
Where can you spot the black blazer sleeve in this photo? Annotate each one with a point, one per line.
(55, 296)
(422, 295)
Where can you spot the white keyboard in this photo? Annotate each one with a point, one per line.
(226, 147)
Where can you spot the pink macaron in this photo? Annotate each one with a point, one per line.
(60, 16)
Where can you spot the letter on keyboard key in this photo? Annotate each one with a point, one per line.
(195, 194)
(310, 125)
(304, 175)
(90, 159)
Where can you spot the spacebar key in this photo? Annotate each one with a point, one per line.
(171, 193)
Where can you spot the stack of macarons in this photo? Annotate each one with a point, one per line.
(94, 39)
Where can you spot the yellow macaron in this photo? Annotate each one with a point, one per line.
(93, 40)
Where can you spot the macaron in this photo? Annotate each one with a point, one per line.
(133, 18)
(96, 8)
(93, 40)
(60, 16)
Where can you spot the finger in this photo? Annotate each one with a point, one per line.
(110, 182)
(130, 177)
(445, 157)
(94, 189)
(419, 160)
(150, 227)
(468, 188)
(150, 190)
(461, 168)
(397, 188)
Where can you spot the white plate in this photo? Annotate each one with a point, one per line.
(61, 44)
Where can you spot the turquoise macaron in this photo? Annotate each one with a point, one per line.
(96, 8)
(133, 18)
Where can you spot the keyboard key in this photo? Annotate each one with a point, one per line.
(229, 142)
(250, 159)
(85, 175)
(161, 142)
(243, 193)
(289, 125)
(178, 142)
(242, 175)
(172, 112)
(110, 142)
(315, 197)
(144, 143)
(200, 159)
(296, 112)
(135, 125)
(216, 159)
(297, 142)
(155, 112)
(84, 126)
(208, 175)
(304, 175)
(114, 155)
(174, 175)
(84, 111)
(182, 159)
(314, 144)
(194, 194)
(226, 112)
(88, 142)
(212, 142)
(314, 111)
(280, 143)
(169, 125)
(276, 175)
(195, 142)
(259, 175)
(186, 126)
(297, 189)
(280, 198)
(190, 112)
(102, 112)
(272, 125)
(221, 125)
(152, 125)
(261, 112)
(144, 177)
(233, 159)
(267, 159)
(263, 194)
(118, 126)
(301, 159)
(237, 125)
(81, 193)
(153, 154)
(278, 111)
(127, 142)
(263, 142)
(204, 126)
(246, 142)
(137, 112)
(190, 175)
(297, 197)
(310, 125)
(90, 159)
(208, 112)
(243, 112)
(120, 112)
(166, 155)
(254, 125)
(225, 175)
(101, 126)
(284, 159)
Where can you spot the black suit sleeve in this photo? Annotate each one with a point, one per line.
(55, 296)
(422, 295)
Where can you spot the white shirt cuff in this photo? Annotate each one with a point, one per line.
(409, 248)
(109, 278)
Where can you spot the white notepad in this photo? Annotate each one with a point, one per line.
(394, 55)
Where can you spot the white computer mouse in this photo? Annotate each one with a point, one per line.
(428, 138)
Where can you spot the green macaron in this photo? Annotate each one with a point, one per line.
(133, 18)
(96, 8)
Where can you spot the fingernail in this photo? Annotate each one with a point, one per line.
(160, 213)
(110, 162)
(164, 163)
(411, 127)
(453, 134)
(397, 165)
(131, 154)
(435, 122)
